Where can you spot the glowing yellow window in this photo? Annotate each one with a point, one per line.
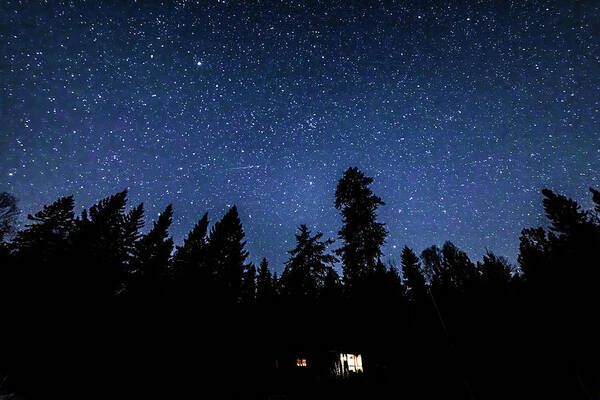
(301, 362)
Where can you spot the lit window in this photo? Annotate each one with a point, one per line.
(359, 367)
(301, 362)
(351, 363)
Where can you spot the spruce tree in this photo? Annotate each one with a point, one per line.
(152, 253)
(189, 276)
(534, 254)
(412, 274)
(264, 284)
(307, 267)
(49, 229)
(362, 236)
(458, 270)
(43, 264)
(495, 271)
(226, 255)
(105, 243)
(565, 214)
(193, 252)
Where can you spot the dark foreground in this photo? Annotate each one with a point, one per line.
(230, 355)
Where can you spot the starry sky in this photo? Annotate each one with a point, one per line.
(461, 112)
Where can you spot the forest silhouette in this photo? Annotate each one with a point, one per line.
(96, 306)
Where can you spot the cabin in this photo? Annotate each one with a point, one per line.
(319, 365)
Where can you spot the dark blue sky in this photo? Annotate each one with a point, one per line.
(461, 112)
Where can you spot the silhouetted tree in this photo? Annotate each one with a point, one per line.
(190, 273)
(265, 292)
(458, 270)
(534, 251)
(50, 228)
(361, 234)
(448, 268)
(105, 241)
(495, 272)
(414, 281)
(432, 263)
(565, 214)
(40, 264)
(226, 255)
(307, 267)
(152, 252)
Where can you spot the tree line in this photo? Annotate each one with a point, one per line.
(94, 289)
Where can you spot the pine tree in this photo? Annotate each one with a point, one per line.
(193, 252)
(534, 253)
(414, 281)
(495, 272)
(432, 263)
(49, 229)
(152, 253)
(565, 214)
(305, 271)
(105, 243)
(226, 255)
(190, 275)
(264, 284)
(41, 255)
(458, 270)
(361, 234)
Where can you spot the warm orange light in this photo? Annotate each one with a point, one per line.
(359, 367)
(301, 362)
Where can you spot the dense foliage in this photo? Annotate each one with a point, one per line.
(92, 306)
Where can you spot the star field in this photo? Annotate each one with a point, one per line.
(461, 112)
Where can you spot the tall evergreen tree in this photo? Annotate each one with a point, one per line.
(105, 242)
(432, 262)
(193, 252)
(48, 229)
(152, 253)
(448, 268)
(362, 236)
(414, 281)
(307, 267)
(226, 255)
(495, 272)
(565, 214)
(41, 253)
(190, 275)
(458, 270)
(265, 292)
(534, 254)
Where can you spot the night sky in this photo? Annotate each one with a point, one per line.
(462, 113)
